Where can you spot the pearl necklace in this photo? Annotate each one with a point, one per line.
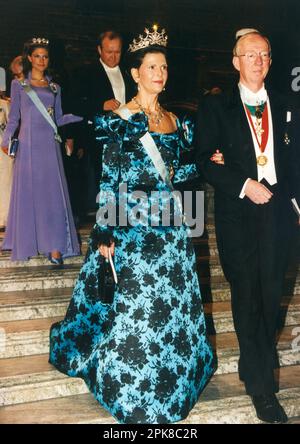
(154, 118)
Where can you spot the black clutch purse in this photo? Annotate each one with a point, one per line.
(106, 282)
(13, 147)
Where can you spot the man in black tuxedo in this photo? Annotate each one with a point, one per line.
(254, 175)
(99, 87)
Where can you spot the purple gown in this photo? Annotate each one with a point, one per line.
(40, 217)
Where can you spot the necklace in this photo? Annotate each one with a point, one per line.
(154, 118)
(39, 80)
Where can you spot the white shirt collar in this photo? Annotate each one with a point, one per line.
(252, 98)
(108, 68)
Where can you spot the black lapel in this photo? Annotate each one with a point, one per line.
(104, 83)
(241, 131)
(278, 110)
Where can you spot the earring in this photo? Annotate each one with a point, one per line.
(138, 87)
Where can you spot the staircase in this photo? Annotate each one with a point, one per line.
(34, 295)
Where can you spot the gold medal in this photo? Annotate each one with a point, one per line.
(262, 160)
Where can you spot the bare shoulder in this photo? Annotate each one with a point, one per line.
(133, 107)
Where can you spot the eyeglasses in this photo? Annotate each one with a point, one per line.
(252, 55)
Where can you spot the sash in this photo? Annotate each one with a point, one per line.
(151, 149)
(42, 109)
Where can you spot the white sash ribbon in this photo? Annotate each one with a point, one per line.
(151, 149)
(42, 109)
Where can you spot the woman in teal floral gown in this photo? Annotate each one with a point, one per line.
(145, 356)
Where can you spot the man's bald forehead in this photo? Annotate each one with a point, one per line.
(253, 36)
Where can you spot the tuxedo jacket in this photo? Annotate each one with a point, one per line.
(90, 89)
(222, 124)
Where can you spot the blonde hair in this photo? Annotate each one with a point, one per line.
(243, 37)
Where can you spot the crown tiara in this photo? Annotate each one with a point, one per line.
(151, 38)
(39, 41)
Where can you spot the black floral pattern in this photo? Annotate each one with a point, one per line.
(160, 315)
(131, 352)
(166, 383)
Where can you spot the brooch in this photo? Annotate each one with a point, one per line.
(53, 87)
(50, 111)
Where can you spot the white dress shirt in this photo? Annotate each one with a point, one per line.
(268, 171)
(117, 82)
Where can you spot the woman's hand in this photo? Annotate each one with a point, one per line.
(5, 149)
(103, 249)
(218, 158)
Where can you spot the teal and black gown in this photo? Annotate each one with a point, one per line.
(145, 357)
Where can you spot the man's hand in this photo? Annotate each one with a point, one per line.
(5, 149)
(218, 158)
(257, 192)
(111, 105)
(69, 147)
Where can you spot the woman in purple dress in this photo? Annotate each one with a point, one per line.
(40, 218)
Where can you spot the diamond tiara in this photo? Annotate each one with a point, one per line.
(39, 41)
(151, 38)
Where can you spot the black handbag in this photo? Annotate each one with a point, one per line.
(13, 147)
(106, 283)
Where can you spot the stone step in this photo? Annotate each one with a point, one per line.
(219, 316)
(222, 401)
(36, 261)
(208, 265)
(23, 338)
(30, 337)
(212, 282)
(32, 378)
(34, 278)
(35, 304)
(226, 346)
(217, 289)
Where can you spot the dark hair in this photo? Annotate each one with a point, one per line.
(28, 49)
(110, 34)
(135, 59)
